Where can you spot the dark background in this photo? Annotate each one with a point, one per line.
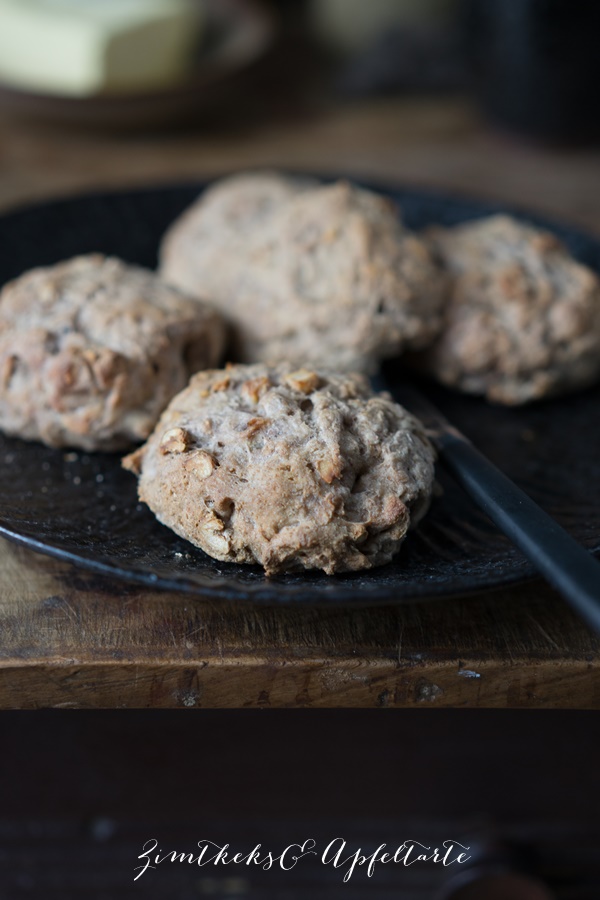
(82, 791)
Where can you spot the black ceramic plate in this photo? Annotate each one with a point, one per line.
(83, 507)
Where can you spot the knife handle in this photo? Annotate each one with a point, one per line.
(568, 566)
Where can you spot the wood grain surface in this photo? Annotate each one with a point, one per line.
(70, 639)
(73, 639)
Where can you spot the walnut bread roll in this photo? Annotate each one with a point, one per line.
(92, 350)
(291, 469)
(308, 274)
(523, 317)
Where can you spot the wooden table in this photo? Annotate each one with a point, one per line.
(72, 639)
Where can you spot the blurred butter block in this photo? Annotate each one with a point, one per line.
(85, 47)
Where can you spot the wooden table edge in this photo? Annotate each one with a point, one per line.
(260, 682)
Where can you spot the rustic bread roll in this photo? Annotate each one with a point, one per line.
(93, 349)
(289, 469)
(523, 317)
(318, 275)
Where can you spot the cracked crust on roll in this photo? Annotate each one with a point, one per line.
(523, 317)
(92, 350)
(290, 469)
(314, 275)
